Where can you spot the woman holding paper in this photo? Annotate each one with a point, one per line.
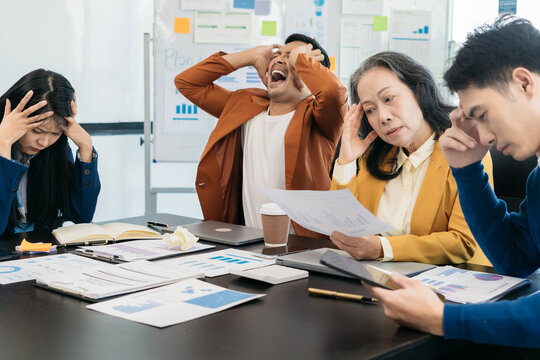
(41, 184)
(396, 168)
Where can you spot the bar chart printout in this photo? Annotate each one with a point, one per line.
(173, 304)
(218, 263)
(326, 211)
(465, 286)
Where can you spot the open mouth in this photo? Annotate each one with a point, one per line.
(277, 77)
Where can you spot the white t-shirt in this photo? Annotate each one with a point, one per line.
(263, 141)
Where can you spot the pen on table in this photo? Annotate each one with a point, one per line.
(92, 254)
(157, 224)
(160, 230)
(342, 296)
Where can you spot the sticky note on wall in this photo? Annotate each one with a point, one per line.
(244, 4)
(269, 28)
(380, 23)
(332, 63)
(181, 25)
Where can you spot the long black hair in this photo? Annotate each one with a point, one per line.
(50, 171)
(417, 78)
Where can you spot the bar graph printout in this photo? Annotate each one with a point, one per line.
(326, 211)
(173, 304)
(465, 286)
(218, 263)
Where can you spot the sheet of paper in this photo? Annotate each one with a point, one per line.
(115, 279)
(358, 41)
(308, 17)
(465, 286)
(173, 304)
(410, 33)
(326, 211)
(361, 6)
(31, 268)
(218, 263)
(223, 27)
(142, 249)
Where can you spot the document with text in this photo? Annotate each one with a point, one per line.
(326, 211)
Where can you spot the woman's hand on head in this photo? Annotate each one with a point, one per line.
(360, 248)
(17, 122)
(78, 135)
(352, 147)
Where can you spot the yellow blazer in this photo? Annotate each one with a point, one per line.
(439, 232)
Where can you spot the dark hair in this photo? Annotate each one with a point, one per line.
(50, 171)
(417, 78)
(492, 52)
(308, 40)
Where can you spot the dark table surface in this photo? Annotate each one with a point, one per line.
(285, 324)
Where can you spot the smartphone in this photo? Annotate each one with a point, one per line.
(369, 274)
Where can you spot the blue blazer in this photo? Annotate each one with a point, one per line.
(84, 191)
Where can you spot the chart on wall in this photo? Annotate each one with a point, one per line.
(188, 31)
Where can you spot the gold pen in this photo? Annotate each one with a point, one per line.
(342, 296)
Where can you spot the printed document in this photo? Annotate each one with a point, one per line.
(326, 211)
(173, 304)
(465, 286)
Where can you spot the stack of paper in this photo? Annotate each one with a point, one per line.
(112, 280)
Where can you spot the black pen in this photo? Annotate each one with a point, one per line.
(342, 296)
(157, 224)
(159, 230)
(92, 254)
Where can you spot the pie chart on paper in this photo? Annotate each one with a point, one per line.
(488, 277)
(9, 269)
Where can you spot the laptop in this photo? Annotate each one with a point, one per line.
(224, 233)
(311, 260)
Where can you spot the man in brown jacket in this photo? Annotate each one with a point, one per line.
(283, 137)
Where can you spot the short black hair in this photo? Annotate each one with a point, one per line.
(308, 40)
(492, 52)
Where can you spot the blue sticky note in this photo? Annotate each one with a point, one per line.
(244, 4)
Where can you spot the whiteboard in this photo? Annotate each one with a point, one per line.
(181, 129)
(97, 45)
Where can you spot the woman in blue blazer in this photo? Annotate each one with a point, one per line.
(41, 185)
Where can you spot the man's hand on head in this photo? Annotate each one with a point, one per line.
(260, 58)
(461, 143)
(307, 49)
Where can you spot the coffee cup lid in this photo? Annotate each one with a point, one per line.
(271, 209)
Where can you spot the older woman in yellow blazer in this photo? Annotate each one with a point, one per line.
(397, 170)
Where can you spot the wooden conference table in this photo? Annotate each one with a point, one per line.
(285, 324)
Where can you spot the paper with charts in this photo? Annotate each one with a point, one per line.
(218, 263)
(31, 268)
(173, 304)
(326, 211)
(114, 280)
(142, 250)
(465, 286)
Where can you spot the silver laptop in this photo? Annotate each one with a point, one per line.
(224, 233)
(311, 260)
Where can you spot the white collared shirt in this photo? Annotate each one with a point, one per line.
(399, 196)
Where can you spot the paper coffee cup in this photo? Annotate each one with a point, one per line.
(275, 224)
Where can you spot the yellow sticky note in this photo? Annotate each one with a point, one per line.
(181, 25)
(332, 63)
(28, 246)
(269, 28)
(380, 23)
